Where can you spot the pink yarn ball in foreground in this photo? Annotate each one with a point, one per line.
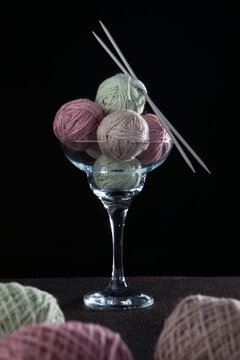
(201, 328)
(122, 135)
(155, 151)
(78, 120)
(68, 341)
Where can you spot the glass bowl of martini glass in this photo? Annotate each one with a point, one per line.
(116, 183)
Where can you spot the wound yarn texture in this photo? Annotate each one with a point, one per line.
(21, 305)
(159, 141)
(69, 341)
(201, 328)
(78, 120)
(114, 178)
(122, 135)
(121, 92)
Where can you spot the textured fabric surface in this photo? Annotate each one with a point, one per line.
(69, 341)
(140, 329)
(201, 328)
(21, 305)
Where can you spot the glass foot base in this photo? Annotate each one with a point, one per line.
(123, 299)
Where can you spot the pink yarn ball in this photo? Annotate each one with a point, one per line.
(68, 341)
(201, 328)
(155, 151)
(122, 135)
(78, 120)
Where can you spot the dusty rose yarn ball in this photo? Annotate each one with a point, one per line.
(157, 149)
(78, 120)
(201, 328)
(69, 341)
(122, 135)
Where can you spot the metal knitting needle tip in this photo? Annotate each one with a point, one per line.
(118, 50)
(110, 53)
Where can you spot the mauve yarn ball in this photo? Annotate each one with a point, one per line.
(123, 135)
(78, 120)
(201, 328)
(22, 305)
(156, 150)
(69, 341)
(114, 179)
(121, 92)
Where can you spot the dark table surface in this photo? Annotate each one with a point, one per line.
(139, 328)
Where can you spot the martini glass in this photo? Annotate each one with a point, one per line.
(116, 184)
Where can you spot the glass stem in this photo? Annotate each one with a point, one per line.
(117, 215)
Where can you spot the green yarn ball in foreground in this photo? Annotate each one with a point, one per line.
(121, 92)
(23, 305)
(114, 179)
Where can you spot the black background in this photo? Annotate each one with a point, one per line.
(182, 223)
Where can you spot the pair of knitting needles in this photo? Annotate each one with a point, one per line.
(167, 125)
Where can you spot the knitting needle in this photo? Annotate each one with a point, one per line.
(111, 54)
(162, 118)
(151, 104)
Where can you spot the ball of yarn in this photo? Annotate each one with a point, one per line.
(69, 341)
(121, 92)
(115, 178)
(78, 120)
(201, 327)
(21, 305)
(122, 135)
(159, 141)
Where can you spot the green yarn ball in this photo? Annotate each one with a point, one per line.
(23, 305)
(115, 178)
(121, 92)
